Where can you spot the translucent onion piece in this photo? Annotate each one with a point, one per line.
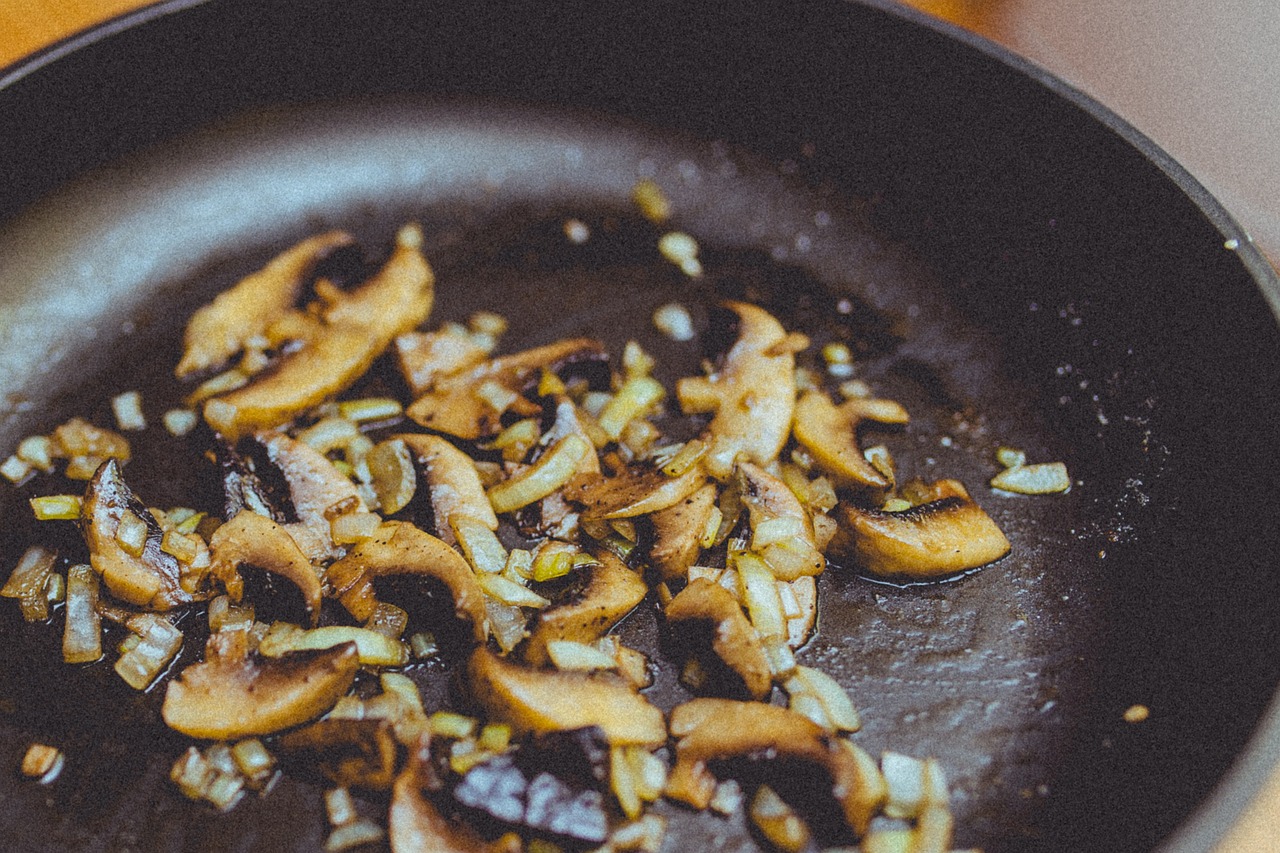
(28, 583)
(1044, 478)
(372, 648)
(82, 635)
(159, 642)
(547, 475)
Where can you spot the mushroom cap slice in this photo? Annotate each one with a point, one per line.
(636, 490)
(452, 405)
(679, 530)
(255, 540)
(830, 434)
(153, 578)
(706, 607)
(453, 481)
(752, 394)
(399, 548)
(611, 592)
(220, 329)
(536, 700)
(946, 536)
(415, 825)
(231, 696)
(427, 357)
(354, 330)
(360, 753)
(770, 501)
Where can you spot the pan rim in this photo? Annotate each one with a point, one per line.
(1208, 824)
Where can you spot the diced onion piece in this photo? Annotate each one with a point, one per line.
(14, 469)
(889, 841)
(358, 833)
(820, 698)
(480, 545)
(451, 725)
(352, 527)
(55, 588)
(569, 654)
(933, 831)
(226, 616)
(519, 565)
(634, 399)
(370, 409)
(550, 473)
(181, 547)
(673, 320)
(224, 382)
(128, 411)
(253, 760)
(515, 440)
(423, 645)
(685, 458)
(388, 620)
(1011, 457)
(728, 797)
(494, 737)
(776, 530)
(507, 623)
(905, 777)
(496, 395)
(372, 648)
(42, 763)
(553, 560)
(393, 476)
(159, 642)
(180, 422)
(509, 592)
(644, 835)
(759, 591)
(82, 633)
(777, 822)
(782, 660)
(329, 434)
(635, 361)
(682, 250)
(651, 200)
(37, 451)
(29, 581)
(1044, 478)
(56, 507)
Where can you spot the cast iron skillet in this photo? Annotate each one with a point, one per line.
(1024, 269)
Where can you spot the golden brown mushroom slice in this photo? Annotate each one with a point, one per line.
(611, 592)
(470, 404)
(637, 490)
(830, 434)
(707, 617)
(948, 535)
(427, 357)
(415, 824)
(679, 531)
(231, 695)
(453, 482)
(781, 529)
(220, 329)
(255, 540)
(538, 700)
(132, 561)
(399, 548)
(350, 753)
(711, 730)
(353, 330)
(752, 393)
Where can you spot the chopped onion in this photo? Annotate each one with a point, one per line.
(542, 479)
(370, 409)
(373, 649)
(451, 725)
(673, 320)
(392, 475)
(82, 633)
(905, 777)
(480, 545)
(569, 654)
(777, 822)
(180, 422)
(29, 583)
(819, 697)
(128, 411)
(158, 644)
(42, 763)
(56, 507)
(651, 200)
(634, 399)
(1043, 478)
(509, 592)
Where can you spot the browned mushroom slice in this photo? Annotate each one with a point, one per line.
(713, 730)
(354, 329)
(415, 824)
(948, 535)
(781, 529)
(636, 490)
(471, 403)
(752, 393)
(136, 570)
(535, 700)
(427, 357)
(679, 531)
(453, 482)
(254, 540)
(348, 752)
(230, 695)
(220, 329)
(399, 548)
(707, 617)
(830, 434)
(610, 592)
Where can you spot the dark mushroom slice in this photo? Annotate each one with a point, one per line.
(250, 539)
(470, 404)
(350, 753)
(830, 434)
(146, 576)
(399, 548)
(538, 700)
(335, 350)
(220, 329)
(679, 532)
(711, 731)
(946, 536)
(752, 393)
(706, 618)
(453, 484)
(610, 592)
(233, 695)
(781, 530)
(639, 489)
(416, 825)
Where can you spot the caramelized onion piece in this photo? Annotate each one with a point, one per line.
(232, 696)
(254, 540)
(611, 592)
(947, 535)
(534, 700)
(712, 612)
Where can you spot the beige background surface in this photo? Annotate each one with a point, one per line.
(1201, 79)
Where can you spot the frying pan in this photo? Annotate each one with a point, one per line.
(1020, 267)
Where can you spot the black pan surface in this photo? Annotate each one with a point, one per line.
(1018, 272)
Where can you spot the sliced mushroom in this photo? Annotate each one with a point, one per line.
(637, 490)
(358, 753)
(611, 592)
(427, 357)
(453, 482)
(535, 700)
(752, 394)
(254, 540)
(148, 577)
(713, 730)
(220, 329)
(231, 695)
(352, 331)
(399, 548)
(830, 434)
(463, 404)
(707, 617)
(948, 535)
(415, 824)
(781, 530)
(679, 532)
